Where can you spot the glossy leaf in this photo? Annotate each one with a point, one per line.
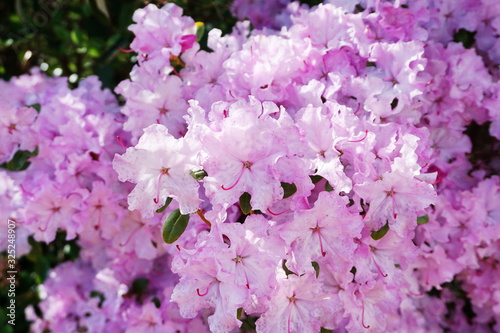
(423, 219)
(245, 205)
(174, 226)
(379, 234)
(198, 174)
(288, 189)
(162, 209)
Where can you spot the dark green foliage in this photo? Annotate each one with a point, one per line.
(288, 189)
(485, 154)
(467, 38)
(32, 270)
(316, 267)
(174, 226)
(285, 268)
(78, 38)
(423, 219)
(20, 161)
(162, 208)
(379, 234)
(245, 206)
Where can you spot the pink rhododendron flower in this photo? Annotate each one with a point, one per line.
(157, 173)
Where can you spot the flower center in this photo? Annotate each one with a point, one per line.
(11, 128)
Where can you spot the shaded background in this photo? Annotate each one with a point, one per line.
(78, 38)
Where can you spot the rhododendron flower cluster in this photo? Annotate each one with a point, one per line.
(313, 172)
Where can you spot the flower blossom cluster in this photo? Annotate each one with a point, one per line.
(323, 159)
(59, 145)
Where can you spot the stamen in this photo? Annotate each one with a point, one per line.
(208, 289)
(359, 107)
(246, 279)
(177, 73)
(204, 294)
(366, 134)
(306, 202)
(292, 300)
(120, 141)
(363, 316)
(125, 50)
(323, 253)
(316, 229)
(437, 181)
(413, 294)
(163, 171)
(25, 191)
(47, 222)
(277, 214)
(146, 57)
(393, 207)
(392, 80)
(130, 236)
(379, 269)
(236, 182)
(98, 225)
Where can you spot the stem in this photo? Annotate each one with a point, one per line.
(203, 218)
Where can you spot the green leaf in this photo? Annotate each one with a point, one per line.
(162, 209)
(156, 301)
(315, 179)
(200, 30)
(20, 161)
(316, 268)
(328, 187)
(174, 226)
(324, 330)
(139, 286)
(99, 295)
(287, 271)
(288, 189)
(423, 219)
(76, 37)
(61, 32)
(467, 38)
(378, 234)
(37, 107)
(198, 174)
(394, 103)
(239, 313)
(245, 205)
